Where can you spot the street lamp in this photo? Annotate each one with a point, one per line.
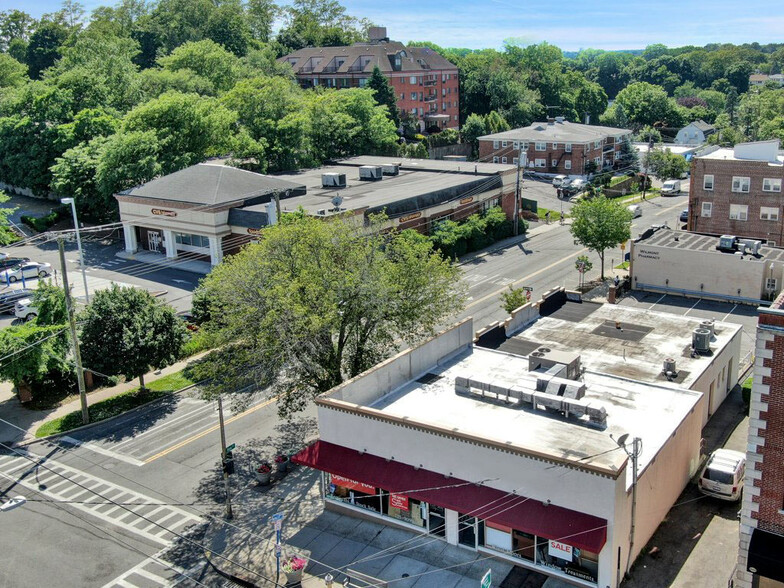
(79, 244)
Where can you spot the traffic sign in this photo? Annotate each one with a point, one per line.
(487, 579)
(528, 288)
(623, 245)
(231, 447)
(277, 520)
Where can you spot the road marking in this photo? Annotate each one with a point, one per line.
(657, 302)
(107, 452)
(729, 313)
(527, 278)
(197, 412)
(158, 561)
(210, 430)
(692, 308)
(670, 208)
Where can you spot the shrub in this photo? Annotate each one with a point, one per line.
(42, 223)
(454, 239)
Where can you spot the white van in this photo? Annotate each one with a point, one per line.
(722, 476)
(671, 187)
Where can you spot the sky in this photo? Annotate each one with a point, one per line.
(568, 24)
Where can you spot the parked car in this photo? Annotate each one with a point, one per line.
(635, 209)
(722, 475)
(671, 187)
(9, 262)
(29, 269)
(25, 310)
(558, 181)
(575, 186)
(684, 215)
(9, 298)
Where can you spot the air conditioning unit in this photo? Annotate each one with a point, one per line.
(700, 340)
(372, 173)
(391, 169)
(321, 212)
(333, 180)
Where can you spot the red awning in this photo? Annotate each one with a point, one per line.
(531, 516)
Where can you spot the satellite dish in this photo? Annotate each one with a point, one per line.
(622, 440)
(337, 201)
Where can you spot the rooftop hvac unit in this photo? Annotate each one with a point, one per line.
(708, 324)
(700, 340)
(371, 173)
(669, 366)
(750, 245)
(727, 243)
(390, 169)
(333, 180)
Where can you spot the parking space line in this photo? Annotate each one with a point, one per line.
(692, 308)
(657, 302)
(729, 313)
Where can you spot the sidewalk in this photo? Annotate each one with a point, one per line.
(14, 412)
(334, 543)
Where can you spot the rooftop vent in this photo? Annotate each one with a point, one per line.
(371, 173)
(670, 369)
(390, 169)
(544, 359)
(700, 340)
(708, 324)
(333, 180)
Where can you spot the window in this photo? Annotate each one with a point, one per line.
(707, 182)
(495, 159)
(443, 78)
(414, 110)
(740, 184)
(516, 145)
(362, 82)
(541, 163)
(503, 160)
(597, 144)
(597, 161)
(769, 213)
(421, 111)
(420, 80)
(554, 163)
(413, 95)
(707, 208)
(771, 185)
(515, 160)
(402, 95)
(770, 284)
(567, 164)
(739, 212)
(525, 146)
(443, 91)
(504, 143)
(421, 96)
(555, 145)
(455, 117)
(192, 240)
(568, 147)
(412, 80)
(495, 144)
(540, 147)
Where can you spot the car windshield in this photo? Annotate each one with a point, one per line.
(717, 476)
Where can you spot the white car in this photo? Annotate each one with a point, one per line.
(25, 310)
(635, 209)
(722, 476)
(30, 269)
(559, 180)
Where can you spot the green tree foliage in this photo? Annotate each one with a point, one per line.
(207, 59)
(600, 223)
(648, 134)
(15, 25)
(45, 46)
(473, 128)
(12, 73)
(228, 26)
(36, 352)
(125, 331)
(665, 165)
(454, 239)
(646, 104)
(126, 160)
(513, 299)
(7, 236)
(261, 18)
(49, 300)
(384, 93)
(496, 123)
(315, 303)
(319, 23)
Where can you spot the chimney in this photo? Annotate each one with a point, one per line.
(550, 120)
(377, 34)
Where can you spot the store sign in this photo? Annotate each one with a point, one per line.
(353, 484)
(410, 217)
(398, 501)
(580, 573)
(162, 212)
(467, 200)
(254, 231)
(561, 550)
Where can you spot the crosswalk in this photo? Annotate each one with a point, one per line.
(135, 513)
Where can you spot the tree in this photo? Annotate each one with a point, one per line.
(127, 159)
(648, 134)
(15, 25)
(665, 164)
(7, 236)
(384, 93)
(646, 104)
(125, 331)
(315, 303)
(319, 23)
(207, 59)
(228, 26)
(600, 223)
(12, 73)
(44, 47)
(261, 15)
(513, 299)
(473, 128)
(36, 352)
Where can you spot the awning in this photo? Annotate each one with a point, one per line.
(437, 116)
(511, 510)
(765, 555)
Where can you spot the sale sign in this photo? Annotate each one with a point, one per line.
(560, 550)
(398, 501)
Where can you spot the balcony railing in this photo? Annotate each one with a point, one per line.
(431, 98)
(430, 82)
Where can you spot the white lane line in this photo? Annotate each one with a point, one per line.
(657, 302)
(692, 308)
(729, 313)
(666, 210)
(152, 577)
(100, 450)
(166, 423)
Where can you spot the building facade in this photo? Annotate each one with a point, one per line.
(425, 83)
(760, 556)
(737, 191)
(695, 133)
(557, 147)
(520, 456)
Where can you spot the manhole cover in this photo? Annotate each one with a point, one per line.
(404, 576)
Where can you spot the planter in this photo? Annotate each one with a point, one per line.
(282, 465)
(294, 577)
(264, 477)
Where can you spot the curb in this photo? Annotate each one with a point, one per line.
(103, 421)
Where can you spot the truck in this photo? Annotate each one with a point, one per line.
(671, 187)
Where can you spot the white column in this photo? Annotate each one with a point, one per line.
(452, 525)
(170, 244)
(129, 232)
(216, 250)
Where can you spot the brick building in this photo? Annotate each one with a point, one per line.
(426, 84)
(760, 559)
(737, 191)
(557, 147)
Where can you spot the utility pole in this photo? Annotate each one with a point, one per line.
(516, 221)
(229, 513)
(72, 321)
(647, 158)
(636, 449)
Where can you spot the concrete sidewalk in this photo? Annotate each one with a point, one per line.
(334, 543)
(29, 420)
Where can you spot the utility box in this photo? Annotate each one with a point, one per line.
(372, 173)
(333, 180)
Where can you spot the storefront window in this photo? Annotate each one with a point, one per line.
(192, 240)
(353, 492)
(401, 507)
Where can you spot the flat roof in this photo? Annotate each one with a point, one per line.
(675, 239)
(644, 410)
(419, 185)
(636, 351)
(675, 148)
(557, 131)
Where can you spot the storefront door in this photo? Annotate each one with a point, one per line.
(437, 521)
(154, 240)
(466, 534)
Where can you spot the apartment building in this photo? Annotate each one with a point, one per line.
(425, 83)
(557, 147)
(762, 516)
(737, 191)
